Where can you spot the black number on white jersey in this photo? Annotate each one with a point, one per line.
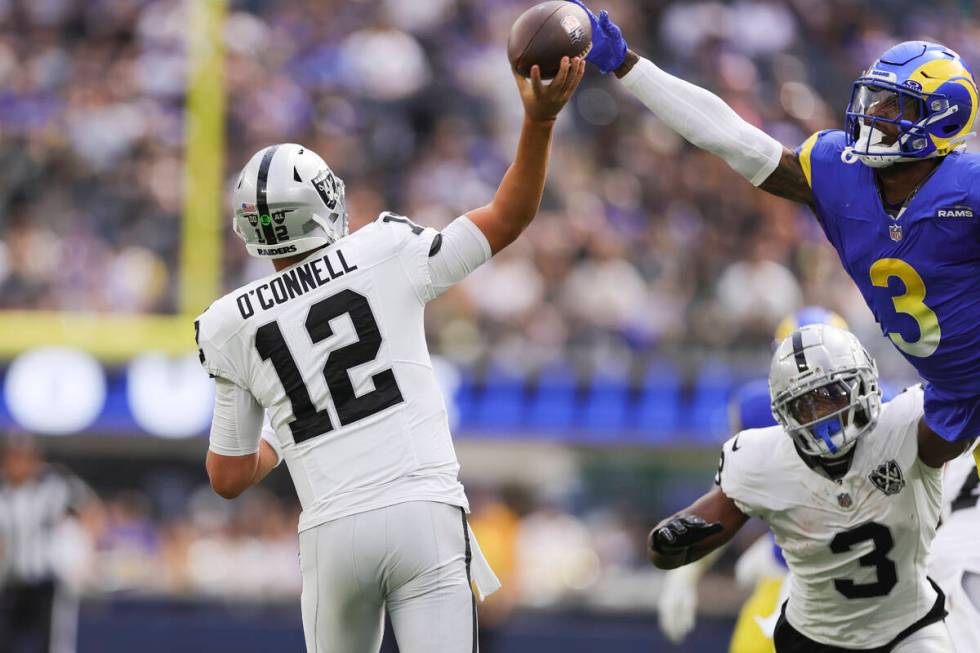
(309, 421)
(877, 558)
(351, 408)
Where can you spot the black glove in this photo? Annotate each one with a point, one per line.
(681, 532)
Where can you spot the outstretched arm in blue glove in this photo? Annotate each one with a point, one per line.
(698, 115)
(608, 45)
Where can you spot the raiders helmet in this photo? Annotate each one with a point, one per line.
(824, 388)
(287, 201)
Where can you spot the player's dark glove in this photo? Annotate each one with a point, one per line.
(680, 533)
(608, 45)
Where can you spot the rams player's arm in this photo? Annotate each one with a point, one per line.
(517, 199)
(935, 451)
(706, 121)
(715, 509)
(788, 179)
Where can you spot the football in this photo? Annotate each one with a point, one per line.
(545, 33)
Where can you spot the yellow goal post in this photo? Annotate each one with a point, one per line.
(118, 337)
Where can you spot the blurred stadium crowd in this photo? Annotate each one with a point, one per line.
(643, 244)
(132, 543)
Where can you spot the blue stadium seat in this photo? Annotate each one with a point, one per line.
(553, 404)
(707, 414)
(464, 399)
(604, 411)
(502, 404)
(656, 415)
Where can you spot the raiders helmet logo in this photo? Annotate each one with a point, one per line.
(326, 187)
(888, 477)
(253, 219)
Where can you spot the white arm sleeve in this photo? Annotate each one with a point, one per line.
(463, 249)
(237, 422)
(705, 120)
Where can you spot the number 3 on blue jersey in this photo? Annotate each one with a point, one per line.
(911, 302)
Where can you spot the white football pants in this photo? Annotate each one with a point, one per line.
(412, 559)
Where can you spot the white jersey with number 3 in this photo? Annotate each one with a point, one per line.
(334, 349)
(857, 548)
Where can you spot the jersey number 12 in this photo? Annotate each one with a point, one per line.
(309, 421)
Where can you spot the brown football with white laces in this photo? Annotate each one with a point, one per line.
(545, 33)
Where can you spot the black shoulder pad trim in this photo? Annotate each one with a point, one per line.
(436, 245)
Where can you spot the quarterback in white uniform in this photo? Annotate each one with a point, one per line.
(852, 490)
(332, 348)
(954, 562)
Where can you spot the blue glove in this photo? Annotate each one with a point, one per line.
(608, 45)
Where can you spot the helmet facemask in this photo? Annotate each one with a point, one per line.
(887, 123)
(917, 101)
(824, 388)
(826, 418)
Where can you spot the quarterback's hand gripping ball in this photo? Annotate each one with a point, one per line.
(546, 33)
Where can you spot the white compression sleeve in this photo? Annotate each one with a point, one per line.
(464, 248)
(705, 120)
(237, 422)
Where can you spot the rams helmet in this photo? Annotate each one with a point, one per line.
(804, 316)
(917, 101)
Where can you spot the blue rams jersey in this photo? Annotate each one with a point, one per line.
(919, 272)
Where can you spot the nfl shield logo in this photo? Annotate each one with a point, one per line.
(844, 500)
(895, 231)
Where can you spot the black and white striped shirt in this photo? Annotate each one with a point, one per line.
(30, 514)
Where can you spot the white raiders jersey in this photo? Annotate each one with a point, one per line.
(956, 545)
(857, 548)
(334, 349)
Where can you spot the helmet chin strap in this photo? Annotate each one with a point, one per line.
(872, 138)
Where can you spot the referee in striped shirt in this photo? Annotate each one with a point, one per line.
(38, 612)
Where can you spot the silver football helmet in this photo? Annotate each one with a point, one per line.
(287, 201)
(824, 389)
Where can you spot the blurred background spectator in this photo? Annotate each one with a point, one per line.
(415, 109)
(47, 515)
